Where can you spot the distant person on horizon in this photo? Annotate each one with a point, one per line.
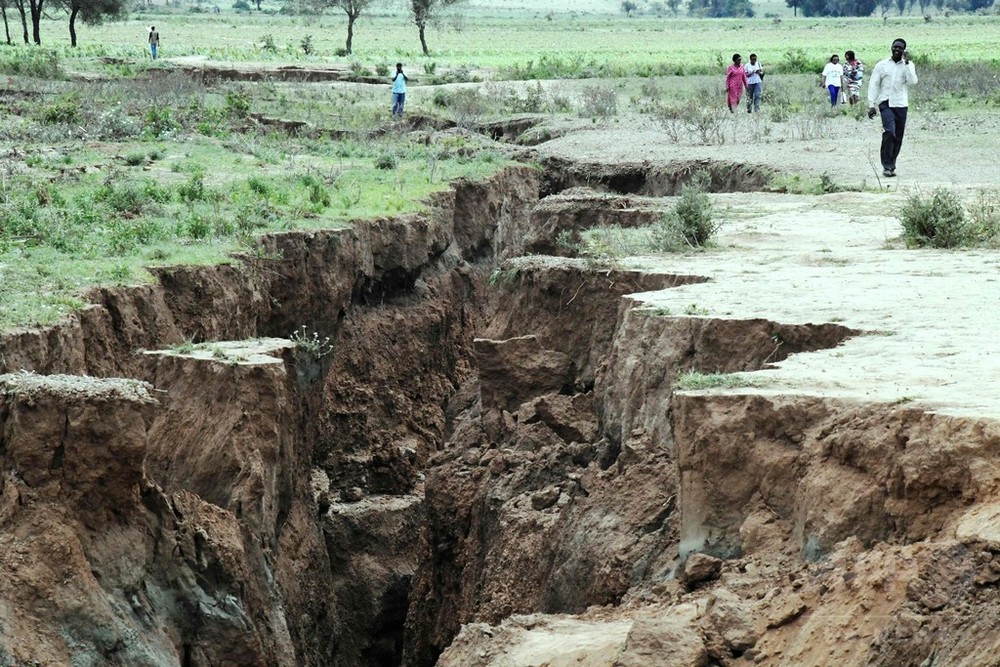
(888, 95)
(854, 74)
(154, 41)
(736, 82)
(398, 90)
(833, 78)
(755, 82)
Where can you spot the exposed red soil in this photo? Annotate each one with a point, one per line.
(491, 465)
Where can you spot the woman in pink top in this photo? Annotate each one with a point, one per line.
(736, 82)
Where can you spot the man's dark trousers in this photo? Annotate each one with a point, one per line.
(893, 125)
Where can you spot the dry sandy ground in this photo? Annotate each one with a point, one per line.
(931, 315)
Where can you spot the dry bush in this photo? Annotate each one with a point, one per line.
(599, 102)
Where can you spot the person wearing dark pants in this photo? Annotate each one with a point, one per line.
(755, 81)
(888, 97)
(893, 126)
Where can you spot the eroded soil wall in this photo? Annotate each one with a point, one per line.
(275, 495)
(500, 457)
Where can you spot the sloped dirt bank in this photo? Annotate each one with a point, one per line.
(478, 467)
(652, 180)
(261, 297)
(271, 510)
(100, 565)
(766, 530)
(559, 487)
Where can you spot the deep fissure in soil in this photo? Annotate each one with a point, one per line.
(462, 450)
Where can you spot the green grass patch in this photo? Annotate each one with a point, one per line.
(80, 217)
(693, 380)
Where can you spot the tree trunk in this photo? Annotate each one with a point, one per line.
(24, 20)
(6, 26)
(36, 18)
(350, 32)
(423, 41)
(72, 25)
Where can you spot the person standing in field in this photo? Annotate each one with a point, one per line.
(854, 74)
(755, 82)
(398, 90)
(833, 78)
(736, 82)
(154, 41)
(888, 95)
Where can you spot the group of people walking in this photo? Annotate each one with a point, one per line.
(748, 77)
(887, 91)
(843, 80)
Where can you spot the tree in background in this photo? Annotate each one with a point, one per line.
(428, 12)
(838, 7)
(970, 5)
(35, 9)
(628, 7)
(720, 8)
(92, 12)
(794, 4)
(353, 9)
(24, 18)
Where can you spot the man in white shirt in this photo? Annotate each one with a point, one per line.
(888, 96)
(755, 79)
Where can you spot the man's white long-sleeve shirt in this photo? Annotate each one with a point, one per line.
(890, 81)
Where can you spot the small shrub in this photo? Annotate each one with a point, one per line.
(386, 160)
(532, 102)
(241, 6)
(135, 159)
(382, 69)
(237, 104)
(441, 98)
(938, 221)
(196, 226)
(467, 105)
(124, 199)
(599, 102)
(430, 68)
(797, 61)
(268, 44)
(39, 64)
(65, 110)
(691, 223)
(194, 189)
(319, 196)
(115, 123)
(160, 121)
(307, 45)
(984, 214)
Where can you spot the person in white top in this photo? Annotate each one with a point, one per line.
(833, 78)
(888, 95)
(755, 80)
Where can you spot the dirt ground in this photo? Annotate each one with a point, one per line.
(831, 258)
(518, 482)
(850, 493)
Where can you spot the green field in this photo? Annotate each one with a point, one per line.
(111, 162)
(610, 45)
